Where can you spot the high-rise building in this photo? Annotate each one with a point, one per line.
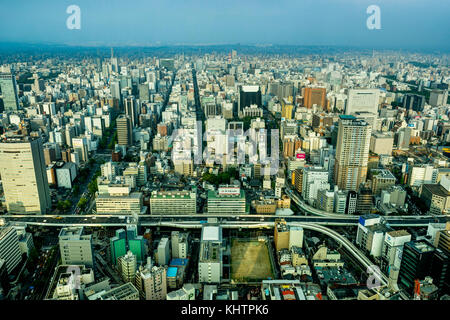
(76, 247)
(128, 266)
(8, 91)
(179, 244)
(163, 252)
(249, 95)
(416, 262)
(138, 247)
(124, 131)
(363, 100)
(131, 110)
(314, 96)
(9, 247)
(287, 109)
(438, 98)
(352, 152)
(151, 282)
(413, 102)
(118, 245)
(281, 235)
(80, 147)
(24, 176)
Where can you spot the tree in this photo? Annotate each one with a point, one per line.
(76, 190)
(82, 203)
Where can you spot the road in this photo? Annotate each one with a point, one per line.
(193, 221)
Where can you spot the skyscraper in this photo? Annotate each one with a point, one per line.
(9, 247)
(8, 91)
(315, 96)
(249, 95)
(124, 131)
(416, 263)
(131, 110)
(352, 152)
(24, 176)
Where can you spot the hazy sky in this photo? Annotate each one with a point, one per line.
(404, 23)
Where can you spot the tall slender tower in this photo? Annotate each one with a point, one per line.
(8, 91)
(24, 175)
(124, 131)
(352, 152)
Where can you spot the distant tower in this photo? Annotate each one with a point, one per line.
(8, 91)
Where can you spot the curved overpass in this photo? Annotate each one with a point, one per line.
(351, 248)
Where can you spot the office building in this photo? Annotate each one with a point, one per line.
(24, 175)
(120, 200)
(124, 131)
(163, 252)
(180, 247)
(413, 102)
(382, 179)
(227, 200)
(362, 101)
(127, 265)
(118, 245)
(9, 247)
(315, 96)
(210, 264)
(151, 282)
(126, 291)
(76, 247)
(131, 110)
(281, 235)
(8, 91)
(416, 263)
(352, 153)
(392, 248)
(438, 98)
(80, 147)
(173, 202)
(314, 179)
(381, 143)
(249, 95)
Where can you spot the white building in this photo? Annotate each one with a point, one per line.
(163, 252)
(210, 268)
(314, 179)
(76, 247)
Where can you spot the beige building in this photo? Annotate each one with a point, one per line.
(152, 283)
(24, 176)
(173, 202)
(382, 179)
(436, 197)
(128, 265)
(381, 143)
(119, 200)
(281, 235)
(352, 152)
